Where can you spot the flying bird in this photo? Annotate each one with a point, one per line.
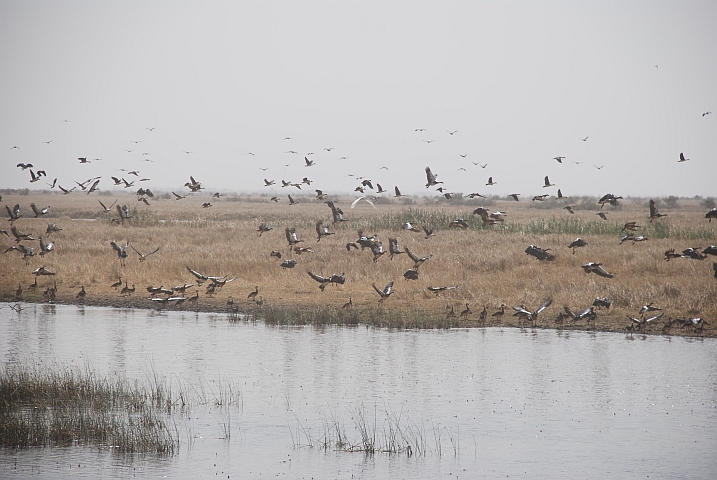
(385, 293)
(490, 181)
(559, 159)
(431, 178)
(547, 182)
(682, 158)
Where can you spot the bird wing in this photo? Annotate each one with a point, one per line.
(654, 318)
(353, 204)
(387, 290)
(152, 252)
(398, 192)
(197, 274)
(429, 175)
(288, 234)
(380, 292)
(602, 272)
(116, 247)
(543, 307)
(318, 278)
(411, 255)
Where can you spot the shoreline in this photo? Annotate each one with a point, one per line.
(377, 317)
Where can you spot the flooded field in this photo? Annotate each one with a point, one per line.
(488, 403)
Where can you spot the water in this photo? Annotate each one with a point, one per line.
(488, 403)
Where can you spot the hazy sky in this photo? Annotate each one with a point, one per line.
(520, 82)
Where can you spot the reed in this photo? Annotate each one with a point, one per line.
(70, 406)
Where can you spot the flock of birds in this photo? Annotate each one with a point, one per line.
(177, 295)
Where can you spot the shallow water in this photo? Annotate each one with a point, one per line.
(486, 402)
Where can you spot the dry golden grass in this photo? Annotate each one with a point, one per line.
(488, 264)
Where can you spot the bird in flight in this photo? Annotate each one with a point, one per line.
(682, 158)
(584, 139)
(420, 130)
(328, 149)
(185, 151)
(547, 182)
(50, 141)
(706, 113)
(429, 141)
(464, 155)
(559, 159)
(490, 181)
(600, 167)
(451, 133)
(150, 128)
(309, 163)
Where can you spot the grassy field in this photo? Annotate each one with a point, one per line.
(488, 264)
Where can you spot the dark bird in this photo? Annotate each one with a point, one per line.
(322, 230)
(398, 192)
(431, 178)
(393, 248)
(24, 166)
(309, 163)
(121, 252)
(711, 214)
(83, 160)
(577, 243)
(207, 205)
(682, 158)
(178, 197)
(600, 167)
(584, 139)
(292, 201)
(380, 188)
(596, 268)
(539, 253)
(710, 250)
(569, 208)
(94, 187)
(385, 293)
(143, 257)
(459, 223)
(411, 274)
(602, 215)
(348, 304)
(437, 290)
(39, 212)
(336, 212)
(417, 261)
(707, 113)
(105, 208)
(541, 198)
(275, 253)
(559, 159)
(19, 236)
(66, 191)
(560, 195)
(264, 227)
(46, 247)
(428, 231)
(514, 196)
(201, 278)
(14, 214)
(602, 303)
(654, 213)
(52, 228)
(633, 226)
(547, 182)
(288, 264)
(291, 236)
(490, 181)
(452, 133)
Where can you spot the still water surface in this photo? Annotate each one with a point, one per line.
(490, 403)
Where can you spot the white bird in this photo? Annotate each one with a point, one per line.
(367, 199)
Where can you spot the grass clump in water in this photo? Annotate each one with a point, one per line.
(40, 406)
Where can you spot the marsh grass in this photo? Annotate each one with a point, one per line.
(381, 431)
(488, 264)
(63, 407)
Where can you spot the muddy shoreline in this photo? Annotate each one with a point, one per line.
(323, 315)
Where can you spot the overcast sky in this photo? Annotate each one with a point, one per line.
(518, 82)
